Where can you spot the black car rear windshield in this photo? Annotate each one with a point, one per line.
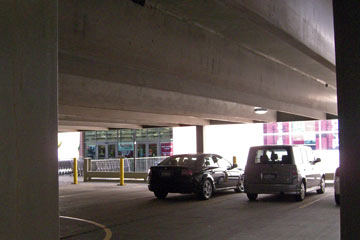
(269, 156)
(183, 160)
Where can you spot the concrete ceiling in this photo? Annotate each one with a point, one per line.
(126, 64)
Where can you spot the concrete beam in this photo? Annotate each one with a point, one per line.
(310, 22)
(92, 93)
(83, 125)
(157, 50)
(85, 114)
(75, 128)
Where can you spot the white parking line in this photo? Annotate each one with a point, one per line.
(107, 230)
(311, 203)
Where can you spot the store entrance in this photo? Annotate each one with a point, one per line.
(106, 150)
(148, 149)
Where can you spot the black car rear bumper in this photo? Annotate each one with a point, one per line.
(190, 187)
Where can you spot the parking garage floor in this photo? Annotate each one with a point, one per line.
(104, 210)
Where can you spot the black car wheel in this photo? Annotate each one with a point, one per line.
(160, 194)
(322, 186)
(301, 195)
(337, 199)
(206, 189)
(252, 196)
(239, 187)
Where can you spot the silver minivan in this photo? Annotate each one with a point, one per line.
(282, 169)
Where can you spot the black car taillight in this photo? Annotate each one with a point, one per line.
(186, 172)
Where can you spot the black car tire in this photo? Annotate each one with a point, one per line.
(206, 189)
(302, 192)
(239, 187)
(337, 199)
(322, 186)
(160, 194)
(252, 196)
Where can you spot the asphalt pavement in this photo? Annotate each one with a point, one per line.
(105, 210)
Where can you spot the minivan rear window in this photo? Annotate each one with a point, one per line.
(270, 156)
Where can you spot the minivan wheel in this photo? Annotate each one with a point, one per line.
(301, 195)
(322, 186)
(206, 190)
(252, 196)
(160, 194)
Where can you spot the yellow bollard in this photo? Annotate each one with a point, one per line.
(75, 172)
(122, 182)
(234, 159)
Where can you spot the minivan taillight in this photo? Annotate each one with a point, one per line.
(186, 172)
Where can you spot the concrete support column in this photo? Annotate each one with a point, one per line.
(347, 39)
(28, 120)
(200, 139)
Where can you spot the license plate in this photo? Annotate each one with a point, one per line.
(165, 174)
(269, 176)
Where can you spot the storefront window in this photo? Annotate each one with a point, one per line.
(329, 141)
(90, 151)
(126, 149)
(127, 135)
(111, 136)
(319, 135)
(271, 128)
(141, 134)
(90, 136)
(271, 139)
(166, 148)
(153, 133)
(116, 143)
(101, 136)
(165, 133)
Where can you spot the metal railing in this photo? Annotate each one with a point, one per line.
(110, 168)
(66, 166)
(113, 165)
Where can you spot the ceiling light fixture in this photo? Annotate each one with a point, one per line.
(260, 110)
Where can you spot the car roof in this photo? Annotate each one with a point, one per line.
(194, 154)
(276, 146)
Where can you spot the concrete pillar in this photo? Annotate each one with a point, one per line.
(347, 39)
(200, 139)
(28, 120)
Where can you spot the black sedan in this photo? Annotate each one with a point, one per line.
(194, 173)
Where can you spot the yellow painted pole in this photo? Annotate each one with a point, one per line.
(234, 159)
(75, 172)
(122, 182)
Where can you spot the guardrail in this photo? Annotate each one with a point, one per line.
(66, 166)
(110, 168)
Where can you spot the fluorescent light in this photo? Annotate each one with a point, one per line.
(260, 110)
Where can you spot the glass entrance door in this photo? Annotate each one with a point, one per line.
(147, 150)
(153, 150)
(111, 151)
(105, 151)
(101, 151)
(141, 150)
